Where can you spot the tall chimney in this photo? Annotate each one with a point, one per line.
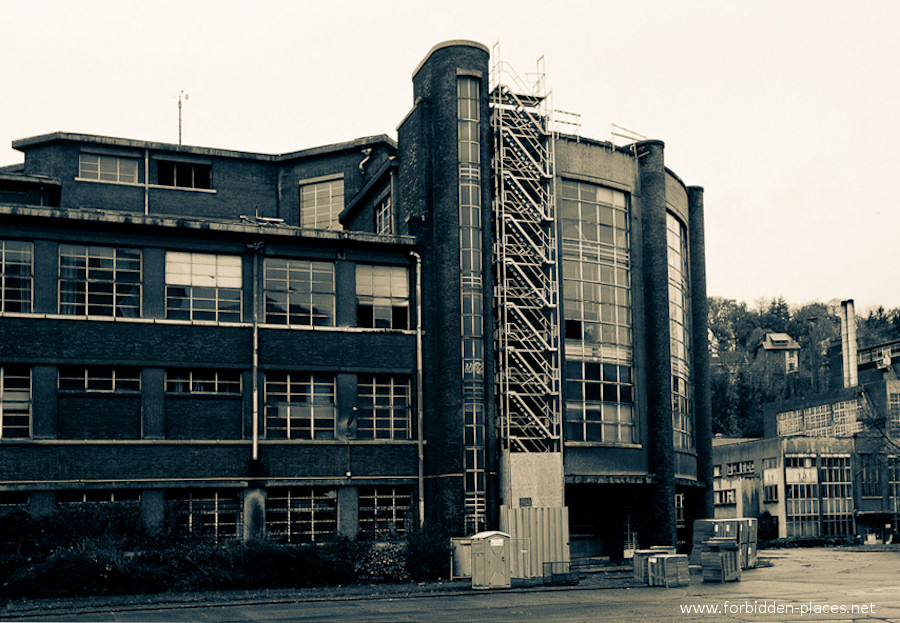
(848, 343)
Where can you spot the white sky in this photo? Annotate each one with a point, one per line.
(786, 112)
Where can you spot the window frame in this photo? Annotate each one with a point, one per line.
(201, 293)
(297, 274)
(203, 382)
(91, 293)
(384, 407)
(314, 406)
(184, 169)
(377, 308)
(324, 215)
(11, 404)
(119, 177)
(22, 281)
(117, 380)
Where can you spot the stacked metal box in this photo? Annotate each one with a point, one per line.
(669, 570)
(720, 560)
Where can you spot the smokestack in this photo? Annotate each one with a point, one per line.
(848, 343)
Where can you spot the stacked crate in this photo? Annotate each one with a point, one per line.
(743, 532)
(640, 562)
(704, 530)
(668, 570)
(720, 560)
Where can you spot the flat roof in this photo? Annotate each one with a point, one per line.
(113, 141)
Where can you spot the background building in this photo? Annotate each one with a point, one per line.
(830, 462)
(481, 318)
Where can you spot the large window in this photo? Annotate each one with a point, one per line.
(299, 292)
(599, 402)
(99, 379)
(802, 509)
(99, 281)
(382, 297)
(383, 407)
(321, 203)
(16, 276)
(108, 168)
(202, 286)
(15, 402)
(383, 510)
(301, 515)
(214, 515)
(299, 405)
(184, 174)
(837, 496)
(870, 475)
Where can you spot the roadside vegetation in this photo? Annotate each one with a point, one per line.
(104, 549)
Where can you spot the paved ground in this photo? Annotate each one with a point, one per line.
(810, 585)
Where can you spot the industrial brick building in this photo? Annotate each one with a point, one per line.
(829, 464)
(481, 315)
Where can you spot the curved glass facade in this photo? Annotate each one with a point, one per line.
(597, 311)
(679, 333)
(472, 299)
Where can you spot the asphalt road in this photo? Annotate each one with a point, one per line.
(811, 585)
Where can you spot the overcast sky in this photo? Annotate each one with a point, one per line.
(785, 112)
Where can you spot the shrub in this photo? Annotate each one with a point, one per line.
(427, 553)
(383, 562)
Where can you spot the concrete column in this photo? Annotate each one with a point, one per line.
(46, 285)
(348, 511)
(658, 527)
(41, 503)
(153, 403)
(44, 412)
(254, 514)
(154, 283)
(153, 508)
(700, 354)
(345, 293)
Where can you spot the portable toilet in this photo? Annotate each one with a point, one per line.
(490, 560)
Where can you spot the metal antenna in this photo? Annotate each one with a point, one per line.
(180, 95)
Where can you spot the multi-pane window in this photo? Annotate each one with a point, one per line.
(99, 496)
(384, 220)
(596, 267)
(99, 281)
(184, 174)
(837, 495)
(383, 407)
(870, 475)
(299, 405)
(724, 497)
(382, 297)
(15, 402)
(802, 509)
(299, 292)
(599, 402)
(301, 515)
(215, 382)
(679, 510)
(894, 415)
(894, 481)
(202, 286)
(679, 333)
(471, 279)
(770, 493)
(99, 379)
(16, 275)
(108, 168)
(321, 203)
(383, 510)
(211, 515)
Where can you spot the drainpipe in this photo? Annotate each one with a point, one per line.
(146, 181)
(420, 428)
(257, 248)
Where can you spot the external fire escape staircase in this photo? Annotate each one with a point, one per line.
(527, 313)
